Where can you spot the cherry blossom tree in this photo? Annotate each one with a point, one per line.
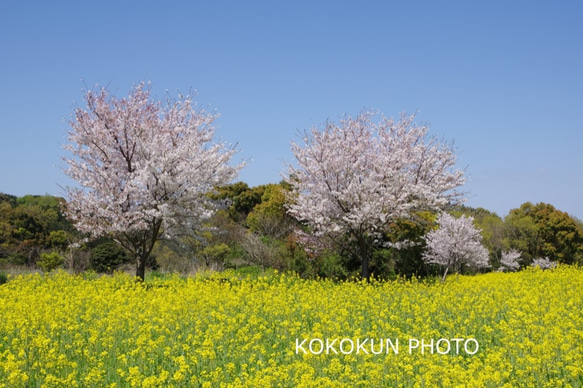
(144, 168)
(456, 242)
(509, 260)
(544, 263)
(352, 179)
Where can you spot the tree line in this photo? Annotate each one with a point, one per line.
(35, 233)
(252, 227)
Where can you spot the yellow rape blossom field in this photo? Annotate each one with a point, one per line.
(277, 330)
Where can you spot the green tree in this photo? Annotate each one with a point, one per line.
(50, 261)
(106, 255)
(543, 231)
(30, 225)
(6, 237)
(269, 217)
(241, 199)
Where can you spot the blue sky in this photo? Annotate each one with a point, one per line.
(503, 79)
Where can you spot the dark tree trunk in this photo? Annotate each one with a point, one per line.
(141, 245)
(140, 267)
(364, 249)
(365, 268)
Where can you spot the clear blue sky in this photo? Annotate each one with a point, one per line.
(504, 79)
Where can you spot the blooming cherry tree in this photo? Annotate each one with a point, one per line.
(509, 260)
(456, 242)
(355, 177)
(544, 263)
(144, 168)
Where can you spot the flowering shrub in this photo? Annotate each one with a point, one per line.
(492, 330)
(509, 260)
(544, 263)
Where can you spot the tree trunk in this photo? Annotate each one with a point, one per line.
(140, 266)
(364, 249)
(141, 259)
(142, 245)
(365, 268)
(445, 274)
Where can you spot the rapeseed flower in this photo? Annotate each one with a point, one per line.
(491, 330)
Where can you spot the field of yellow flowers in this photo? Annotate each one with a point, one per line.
(226, 330)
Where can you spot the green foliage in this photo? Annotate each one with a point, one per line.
(254, 228)
(106, 256)
(58, 239)
(325, 264)
(10, 200)
(242, 199)
(333, 265)
(406, 260)
(522, 234)
(215, 253)
(3, 277)
(30, 225)
(250, 271)
(264, 251)
(269, 217)
(383, 265)
(542, 231)
(50, 261)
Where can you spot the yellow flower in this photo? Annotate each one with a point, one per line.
(489, 330)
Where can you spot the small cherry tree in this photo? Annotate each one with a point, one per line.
(456, 242)
(144, 167)
(353, 179)
(509, 260)
(544, 263)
